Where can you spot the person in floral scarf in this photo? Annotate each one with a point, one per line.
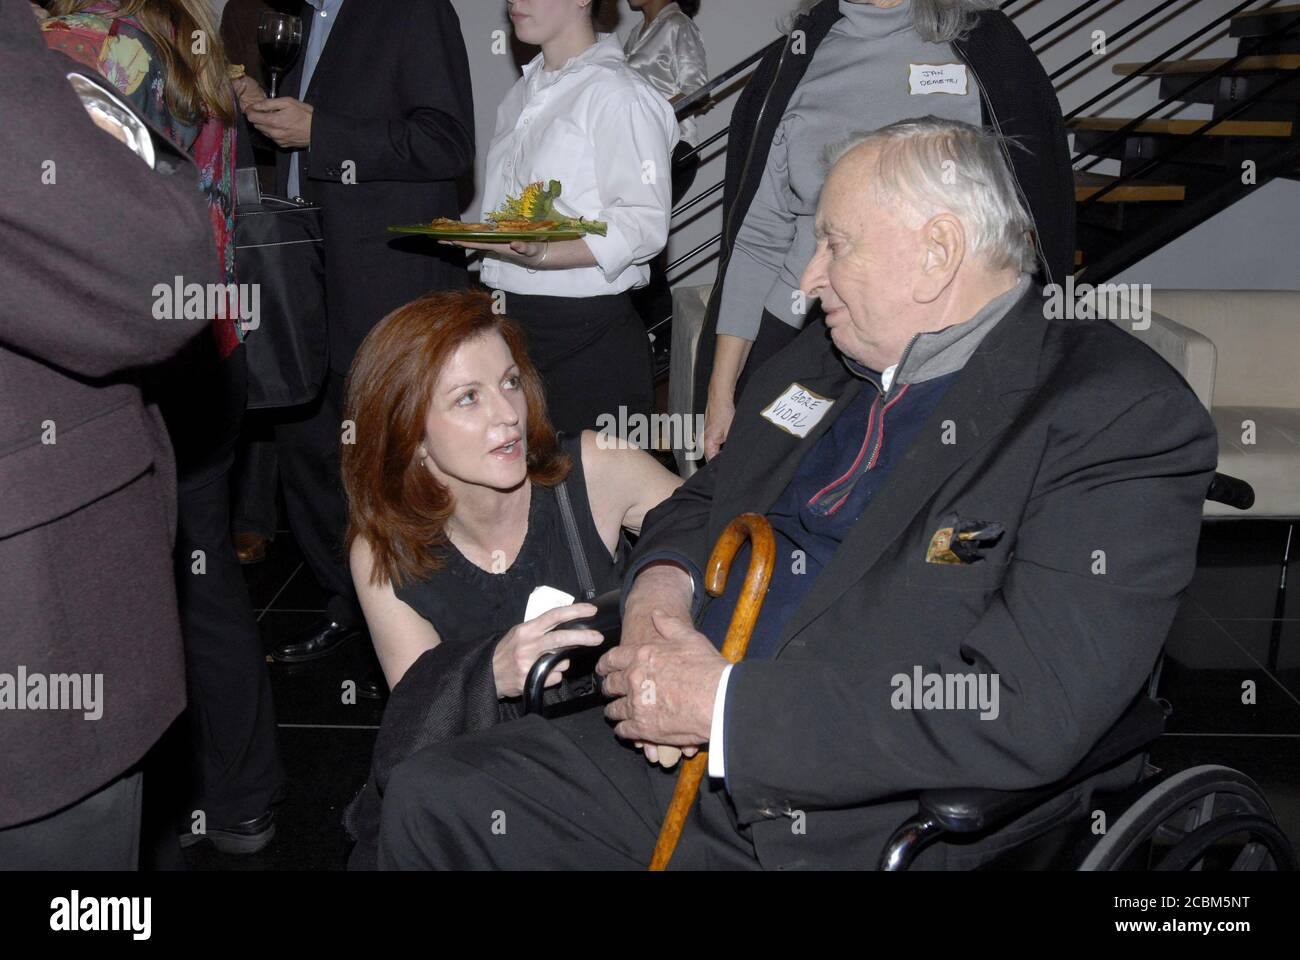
(166, 59)
(197, 111)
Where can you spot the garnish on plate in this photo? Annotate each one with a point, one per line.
(537, 205)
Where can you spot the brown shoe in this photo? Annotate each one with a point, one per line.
(250, 547)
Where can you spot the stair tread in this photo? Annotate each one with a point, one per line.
(1253, 63)
(1086, 184)
(1225, 128)
(1267, 11)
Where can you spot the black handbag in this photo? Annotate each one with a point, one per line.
(279, 245)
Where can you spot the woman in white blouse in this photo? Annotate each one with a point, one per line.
(581, 115)
(666, 49)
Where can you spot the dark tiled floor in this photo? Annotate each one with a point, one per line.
(1223, 636)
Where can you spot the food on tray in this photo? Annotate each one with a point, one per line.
(536, 205)
(506, 226)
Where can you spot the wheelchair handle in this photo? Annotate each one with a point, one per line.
(607, 620)
(1231, 492)
(535, 685)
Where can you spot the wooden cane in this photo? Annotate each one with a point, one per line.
(762, 558)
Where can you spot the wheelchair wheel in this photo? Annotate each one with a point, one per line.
(1205, 818)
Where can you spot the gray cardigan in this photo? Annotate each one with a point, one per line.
(858, 80)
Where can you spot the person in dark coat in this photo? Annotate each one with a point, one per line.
(376, 124)
(86, 470)
(932, 399)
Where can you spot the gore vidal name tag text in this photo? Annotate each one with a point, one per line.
(797, 410)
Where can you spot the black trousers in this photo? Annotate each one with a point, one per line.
(547, 794)
(256, 477)
(234, 754)
(774, 335)
(592, 352)
(307, 440)
(99, 832)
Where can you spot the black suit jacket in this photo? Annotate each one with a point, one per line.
(1094, 455)
(87, 521)
(391, 94)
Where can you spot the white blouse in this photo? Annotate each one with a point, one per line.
(607, 136)
(670, 54)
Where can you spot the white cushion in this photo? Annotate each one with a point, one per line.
(689, 307)
(1190, 353)
(1257, 335)
(1271, 464)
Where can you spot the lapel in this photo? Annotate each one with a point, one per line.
(342, 22)
(983, 399)
(773, 456)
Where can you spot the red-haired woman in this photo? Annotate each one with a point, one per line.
(454, 520)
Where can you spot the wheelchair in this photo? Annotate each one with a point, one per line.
(1204, 818)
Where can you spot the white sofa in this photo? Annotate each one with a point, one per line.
(1240, 351)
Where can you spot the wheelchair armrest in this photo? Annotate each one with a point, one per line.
(607, 620)
(1231, 491)
(977, 810)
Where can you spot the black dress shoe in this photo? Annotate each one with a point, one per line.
(320, 641)
(247, 836)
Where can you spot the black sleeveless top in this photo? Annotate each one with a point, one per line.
(450, 690)
(466, 603)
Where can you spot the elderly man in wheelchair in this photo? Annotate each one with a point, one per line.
(983, 519)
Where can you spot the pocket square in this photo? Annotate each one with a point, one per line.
(959, 541)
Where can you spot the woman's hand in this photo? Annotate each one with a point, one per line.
(249, 92)
(519, 649)
(526, 253)
(718, 414)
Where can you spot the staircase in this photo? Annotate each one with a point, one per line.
(1175, 174)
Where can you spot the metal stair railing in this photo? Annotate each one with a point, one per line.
(1118, 136)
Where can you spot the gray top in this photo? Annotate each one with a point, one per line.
(869, 49)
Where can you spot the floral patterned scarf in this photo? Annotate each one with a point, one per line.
(122, 52)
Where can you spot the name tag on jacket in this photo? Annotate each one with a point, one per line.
(925, 78)
(797, 410)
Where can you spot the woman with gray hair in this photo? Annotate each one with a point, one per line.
(860, 65)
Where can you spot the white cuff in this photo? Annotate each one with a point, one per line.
(717, 765)
(612, 252)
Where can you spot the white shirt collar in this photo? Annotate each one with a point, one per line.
(606, 50)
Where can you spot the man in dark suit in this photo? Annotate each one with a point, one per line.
(87, 229)
(890, 656)
(377, 127)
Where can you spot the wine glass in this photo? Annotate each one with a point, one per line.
(279, 35)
